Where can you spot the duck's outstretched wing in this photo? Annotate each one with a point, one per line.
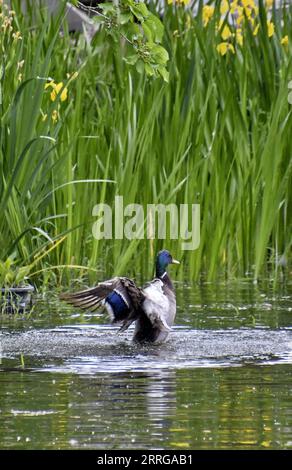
(120, 295)
(90, 299)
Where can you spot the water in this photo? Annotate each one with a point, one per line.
(223, 380)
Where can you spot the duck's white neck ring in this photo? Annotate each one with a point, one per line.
(163, 275)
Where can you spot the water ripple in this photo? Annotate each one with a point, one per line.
(87, 349)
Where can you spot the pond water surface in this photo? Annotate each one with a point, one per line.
(222, 381)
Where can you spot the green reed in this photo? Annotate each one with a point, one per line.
(218, 134)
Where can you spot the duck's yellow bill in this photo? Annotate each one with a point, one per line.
(175, 261)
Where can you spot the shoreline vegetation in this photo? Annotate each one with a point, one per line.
(84, 122)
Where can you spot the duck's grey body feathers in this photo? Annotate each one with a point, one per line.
(159, 307)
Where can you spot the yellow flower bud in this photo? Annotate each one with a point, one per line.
(271, 28)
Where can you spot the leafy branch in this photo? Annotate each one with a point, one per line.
(140, 28)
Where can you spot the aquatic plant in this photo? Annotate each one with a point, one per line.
(217, 134)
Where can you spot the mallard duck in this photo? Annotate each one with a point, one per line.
(152, 307)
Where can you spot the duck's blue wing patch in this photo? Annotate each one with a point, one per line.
(118, 304)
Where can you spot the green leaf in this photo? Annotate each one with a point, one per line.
(21, 274)
(159, 54)
(140, 66)
(164, 73)
(8, 263)
(131, 31)
(140, 11)
(124, 18)
(154, 24)
(131, 59)
(108, 7)
(99, 19)
(148, 32)
(149, 69)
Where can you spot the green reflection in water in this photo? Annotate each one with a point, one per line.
(246, 406)
(239, 407)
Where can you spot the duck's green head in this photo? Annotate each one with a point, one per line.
(163, 259)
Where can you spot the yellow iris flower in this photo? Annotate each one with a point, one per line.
(271, 28)
(269, 3)
(224, 7)
(239, 37)
(180, 2)
(226, 33)
(55, 116)
(223, 47)
(256, 30)
(208, 12)
(57, 87)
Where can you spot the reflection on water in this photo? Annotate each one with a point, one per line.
(246, 407)
(224, 379)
